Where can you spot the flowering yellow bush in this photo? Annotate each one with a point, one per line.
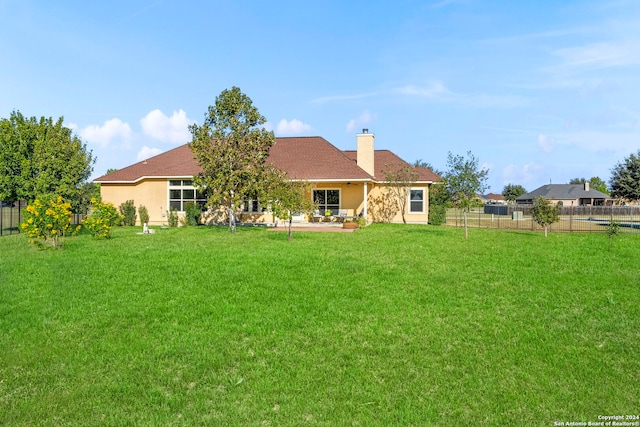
(102, 219)
(47, 219)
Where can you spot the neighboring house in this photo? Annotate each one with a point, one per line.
(344, 182)
(567, 195)
(495, 199)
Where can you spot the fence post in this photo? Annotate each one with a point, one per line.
(571, 218)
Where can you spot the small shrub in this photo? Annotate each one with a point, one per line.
(102, 219)
(144, 214)
(613, 228)
(437, 214)
(47, 219)
(173, 217)
(192, 213)
(128, 212)
(545, 213)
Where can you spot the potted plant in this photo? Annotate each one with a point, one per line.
(351, 224)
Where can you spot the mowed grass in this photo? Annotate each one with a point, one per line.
(390, 325)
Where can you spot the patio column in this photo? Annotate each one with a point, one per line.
(364, 210)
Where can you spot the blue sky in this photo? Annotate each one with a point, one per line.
(540, 91)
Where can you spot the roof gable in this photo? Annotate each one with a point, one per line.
(314, 158)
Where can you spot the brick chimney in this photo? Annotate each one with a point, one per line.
(365, 156)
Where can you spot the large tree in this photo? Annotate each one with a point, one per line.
(464, 179)
(625, 178)
(41, 157)
(232, 148)
(512, 191)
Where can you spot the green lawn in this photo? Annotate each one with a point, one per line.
(390, 325)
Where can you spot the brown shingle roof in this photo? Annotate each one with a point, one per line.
(311, 158)
(314, 158)
(178, 162)
(385, 160)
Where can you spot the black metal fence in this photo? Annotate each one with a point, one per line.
(589, 219)
(11, 218)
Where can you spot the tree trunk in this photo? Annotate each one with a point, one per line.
(466, 231)
(545, 231)
(290, 221)
(232, 219)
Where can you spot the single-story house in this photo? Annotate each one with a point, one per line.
(567, 195)
(344, 182)
(492, 199)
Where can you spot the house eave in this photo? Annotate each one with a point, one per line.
(142, 178)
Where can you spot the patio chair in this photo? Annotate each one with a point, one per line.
(342, 215)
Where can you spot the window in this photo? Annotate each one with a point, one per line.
(327, 200)
(416, 201)
(251, 206)
(182, 191)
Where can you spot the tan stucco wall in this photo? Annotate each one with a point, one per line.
(418, 218)
(151, 193)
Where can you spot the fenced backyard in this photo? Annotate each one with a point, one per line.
(582, 219)
(11, 217)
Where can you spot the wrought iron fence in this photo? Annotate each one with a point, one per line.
(589, 219)
(11, 218)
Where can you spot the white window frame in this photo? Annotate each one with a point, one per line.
(422, 210)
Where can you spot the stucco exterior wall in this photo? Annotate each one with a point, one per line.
(379, 200)
(151, 193)
(154, 194)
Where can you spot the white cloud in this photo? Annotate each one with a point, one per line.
(334, 98)
(437, 91)
(597, 141)
(600, 55)
(356, 124)
(546, 143)
(293, 127)
(147, 152)
(434, 89)
(523, 175)
(105, 134)
(172, 129)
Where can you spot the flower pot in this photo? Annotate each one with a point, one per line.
(350, 225)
